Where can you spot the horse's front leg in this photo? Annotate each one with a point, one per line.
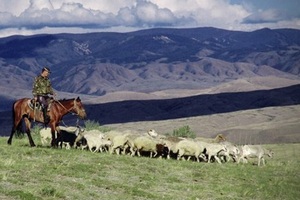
(54, 140)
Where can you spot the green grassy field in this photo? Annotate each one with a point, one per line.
(46, 173)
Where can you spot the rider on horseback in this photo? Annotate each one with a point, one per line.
(41, 89)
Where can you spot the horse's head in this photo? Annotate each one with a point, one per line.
(79, 109)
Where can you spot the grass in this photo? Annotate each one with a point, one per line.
(46, 173)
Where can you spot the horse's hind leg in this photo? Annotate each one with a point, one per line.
(13, 130)
(28, 125)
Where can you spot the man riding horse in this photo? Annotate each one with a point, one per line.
(25, 113)
(41, 89)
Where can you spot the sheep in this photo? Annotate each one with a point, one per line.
(252, 151)
(189, 148)
(111, 134)
(152, 133)
(232, 152)
(119, 143)
(69, 135)
(170, 143)
(212, 150)
(123, 141)
(148, 144)
(133, 135)
(95, 139)
(219, 138)
(45, 134)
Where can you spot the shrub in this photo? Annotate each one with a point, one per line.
(184, 131)
(92, 125)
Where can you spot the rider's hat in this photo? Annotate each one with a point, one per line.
(46, 69)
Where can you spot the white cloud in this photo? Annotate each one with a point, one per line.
(126, 17)
(15, 7)
(265, 16)
(217, 13)
(40, 4)
(90, 14)
(149, 12)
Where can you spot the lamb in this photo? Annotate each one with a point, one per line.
(189, 148)
(252, 151)
(45, 134)
(232, 152)
(95, 139)
(212, 150)
(69, 135)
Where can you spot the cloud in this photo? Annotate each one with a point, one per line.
(78, 15)
(58, 13)
(40, 4)
(147, 14)
(265, 16)
(41, 13)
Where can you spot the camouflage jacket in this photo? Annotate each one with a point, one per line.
(42, 86)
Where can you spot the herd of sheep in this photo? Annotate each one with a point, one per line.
(155, 145)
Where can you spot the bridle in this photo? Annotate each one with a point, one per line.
(75, 107)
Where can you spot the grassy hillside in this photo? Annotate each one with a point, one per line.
(46, 173)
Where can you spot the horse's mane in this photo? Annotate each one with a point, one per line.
(64, 99)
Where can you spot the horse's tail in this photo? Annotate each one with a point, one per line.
(18, 126)
(13, 112)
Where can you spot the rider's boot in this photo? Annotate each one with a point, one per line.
(46, 116)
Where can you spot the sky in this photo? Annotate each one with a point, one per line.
(28, 17)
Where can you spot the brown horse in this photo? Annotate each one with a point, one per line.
(22, 110)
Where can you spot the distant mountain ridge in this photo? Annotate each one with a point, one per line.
(149, 60)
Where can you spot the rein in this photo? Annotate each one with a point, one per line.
(73, 113)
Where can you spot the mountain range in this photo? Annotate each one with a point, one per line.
(156, 74)
(148, 60)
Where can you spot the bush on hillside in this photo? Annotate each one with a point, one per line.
(92, 125)
(184, 131)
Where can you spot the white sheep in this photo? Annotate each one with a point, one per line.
(170, 143)
(189, 148)
(111, 134)
(152, 133)
(231, 153)
(46, 136)
(95, 139)
(122, 141)
(254, 151)
(146, 144)
(212, 150)
(119, 143)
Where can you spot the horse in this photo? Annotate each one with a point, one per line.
(58, 109)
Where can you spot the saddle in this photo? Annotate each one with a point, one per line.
(37, 105)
